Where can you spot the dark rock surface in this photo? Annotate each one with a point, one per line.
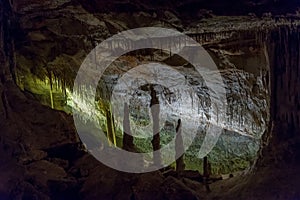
(185, 8)
(29, 170)
(42, 157)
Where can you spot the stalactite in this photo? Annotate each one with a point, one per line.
(239, 115)
(191, 93)
(217, 110)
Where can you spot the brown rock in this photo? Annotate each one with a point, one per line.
(106, 183)
(149, 186)
(33, 155)
(42, 171)
(60, 162)
(84, 165)
(24, 6)
(176, 190)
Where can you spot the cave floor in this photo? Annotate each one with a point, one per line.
(269, 183)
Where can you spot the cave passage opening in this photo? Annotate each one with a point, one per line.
(244, 67)
(246, 116)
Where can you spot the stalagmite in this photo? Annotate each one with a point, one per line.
(51, 89)
(179, 149)
(127, 137)
(110, 128)
(206, 173)
(154, 105)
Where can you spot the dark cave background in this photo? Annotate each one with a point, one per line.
(43, 158)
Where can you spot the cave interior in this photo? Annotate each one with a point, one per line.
(229, 132)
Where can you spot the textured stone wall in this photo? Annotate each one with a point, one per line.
(282, 138)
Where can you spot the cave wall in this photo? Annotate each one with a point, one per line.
(37, 38)
(185, 9)
(37, 25)
(281, 141)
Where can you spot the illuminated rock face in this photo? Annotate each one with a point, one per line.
(246, 114)
(240, 55)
